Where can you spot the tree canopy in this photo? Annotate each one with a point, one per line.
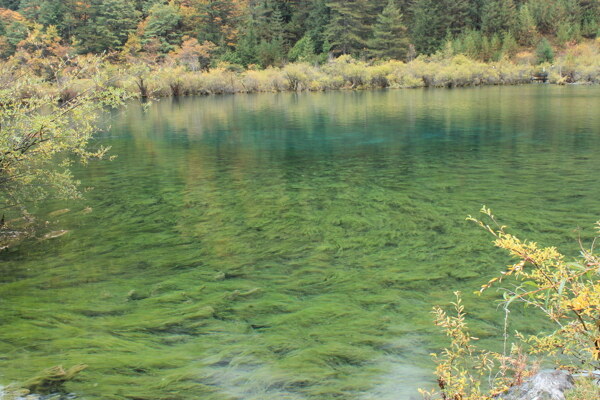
(265, 31)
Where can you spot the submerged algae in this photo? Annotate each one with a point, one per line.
(291, 246)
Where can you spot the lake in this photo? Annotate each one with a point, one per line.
(292, 246)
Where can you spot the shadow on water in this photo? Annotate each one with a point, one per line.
(292, 245)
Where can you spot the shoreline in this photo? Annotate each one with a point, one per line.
(342, 74)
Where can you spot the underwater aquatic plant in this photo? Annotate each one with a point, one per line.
(566, 292)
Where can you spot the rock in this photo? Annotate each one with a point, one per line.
(59, 212)
(545, 385)
(221, 276)
(237, 293)
(54, 234)
(51, 380)
(134, 295)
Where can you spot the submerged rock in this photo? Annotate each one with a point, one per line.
(54, 234)
(237, 293)
(51, 380)
(59, 212)
(545, 385)
(135, 295)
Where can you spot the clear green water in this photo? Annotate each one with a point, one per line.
(286, 246)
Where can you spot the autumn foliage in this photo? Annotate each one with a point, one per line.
(566, 292)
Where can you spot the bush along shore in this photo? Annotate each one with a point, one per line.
(566, 292)
(177, 74)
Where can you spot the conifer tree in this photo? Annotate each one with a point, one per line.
(346, 32)
(428, 30)
(106, 26)
(526, 28)
(245, 49)
(544, 52)
(316, 25)
(162, 25)
(498, 16)
(389, 34)
(456, 15)
(275, 48)
(10, 4)
(219, 21)
(303, 50)
(509, 45)
(545, 14)
(590, 17)
(49, 12)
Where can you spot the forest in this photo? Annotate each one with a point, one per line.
(263, 33)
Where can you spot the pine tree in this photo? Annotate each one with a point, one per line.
(428, 31)
(277, 33)
(163, 25)
(10, 4)
(544, 14)
(316, 25)
(50, 12)
(220, 21)
(526, 29)
(297, 13)
(245, 49)
(456, 16)
(15, 32)
(544, 52)
(303, 50)
(498, 16)
(509, 45)
(346, 32)
(590, 17)
(389, 34)
(106, 26)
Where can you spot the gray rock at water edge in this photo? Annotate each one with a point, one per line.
(545, 385)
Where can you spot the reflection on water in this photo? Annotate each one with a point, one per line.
(291, 246)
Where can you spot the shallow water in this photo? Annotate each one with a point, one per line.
(291, 246)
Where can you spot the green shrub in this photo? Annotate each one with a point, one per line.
(544, 52)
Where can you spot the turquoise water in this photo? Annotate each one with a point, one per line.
(291, 246)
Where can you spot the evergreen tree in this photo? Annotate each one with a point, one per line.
(297, 13)
(509, 45)
(219, 21)
(163, 24)
(245, 31)
(526, 28)
(347, 32)
(303, 50)
(50, 12)
(590, 17)
(245, 49)
(273, 50)
(428, 30)
(475, 7)
(10, 4)
(472, 44)
(544, 52)
(456, 15)
(495, 47)
(15, 32)
(316, 25)
(546, 15)
(389, 34)
(106, 26)
(498, 16)
(277, 26)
